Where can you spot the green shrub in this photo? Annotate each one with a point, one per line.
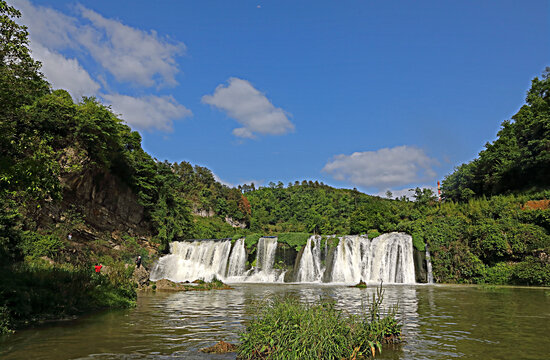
(532, 271)
(373, 233)
(499, 274)
(37, 290)
(5, 320)
(37, 245)
(294, 239)
(251, 240)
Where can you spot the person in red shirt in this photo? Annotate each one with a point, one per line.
(98, 268)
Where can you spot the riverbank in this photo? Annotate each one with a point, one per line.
(39, 291)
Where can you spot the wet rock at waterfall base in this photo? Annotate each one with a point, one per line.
(221, 347)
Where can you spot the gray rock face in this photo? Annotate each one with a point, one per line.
(420, 266)
(104, 200)
(234, 223)
(108, 201)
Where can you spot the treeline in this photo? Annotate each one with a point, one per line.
(518, 160)
(317, 208)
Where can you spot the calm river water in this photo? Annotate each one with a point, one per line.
(440, 322)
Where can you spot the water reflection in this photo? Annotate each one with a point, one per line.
(440, 322)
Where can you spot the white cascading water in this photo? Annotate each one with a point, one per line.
(351, 259)
(311, 269)
(429, 266)
(206, 259)
(237, 260)
(392, 259)
(265, 260)
(387, 258)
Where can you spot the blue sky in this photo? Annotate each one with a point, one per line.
(376, 95)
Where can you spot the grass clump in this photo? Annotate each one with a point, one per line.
(286, 328)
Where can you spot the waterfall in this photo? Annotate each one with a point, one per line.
(429, 266)
(265, 260)
(348, 259)
(392, 260)
(310, 269)
(387, 258)
(189, 261)
(237, 260)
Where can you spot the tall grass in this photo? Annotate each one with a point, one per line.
(286, 328)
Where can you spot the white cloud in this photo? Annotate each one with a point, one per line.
(48, 27)
(148, 112)
(242, 102)
(64, 73)
(49, 30)
(130, 54)
(384, 168)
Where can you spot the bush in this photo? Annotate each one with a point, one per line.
(499, 274)
(251, 240)
(532, 271)
(37, 290)
(294, 239)
(286, 328)
(418, 242)
(5, 320)
(36, 245)
(373, 233)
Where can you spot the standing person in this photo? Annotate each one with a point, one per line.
(70, 236)
(138, 261)
(98, 268)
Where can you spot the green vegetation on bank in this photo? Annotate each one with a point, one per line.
(37, 291)
(286, 328)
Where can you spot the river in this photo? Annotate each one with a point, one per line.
(440, 322)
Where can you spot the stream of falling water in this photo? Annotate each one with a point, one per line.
(387, 258)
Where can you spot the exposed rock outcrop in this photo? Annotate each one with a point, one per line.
(103, 200)
(141, 277)
(235, 223)
(110, 203)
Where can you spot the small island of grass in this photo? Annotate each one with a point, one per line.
(287, 328)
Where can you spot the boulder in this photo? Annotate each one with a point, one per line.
(141, 277)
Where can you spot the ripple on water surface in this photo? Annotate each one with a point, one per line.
(440, 322)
